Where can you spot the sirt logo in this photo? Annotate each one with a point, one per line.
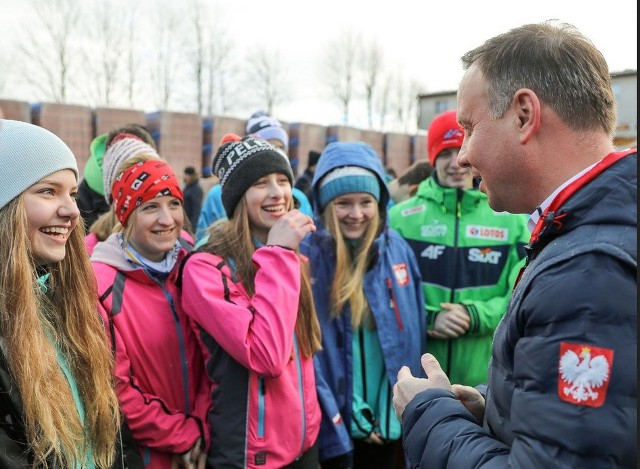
(432, 252)
(484, 256)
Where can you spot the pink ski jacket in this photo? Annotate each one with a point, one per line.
(160, 378)
(265, 411)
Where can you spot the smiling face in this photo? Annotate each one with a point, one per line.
(355, 212)
(492, 148)
(449, 173)
(154, 227)
(52, 213)
(267, 200)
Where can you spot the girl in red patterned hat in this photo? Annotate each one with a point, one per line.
(160, 378)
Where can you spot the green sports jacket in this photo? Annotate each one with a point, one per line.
(467, 254)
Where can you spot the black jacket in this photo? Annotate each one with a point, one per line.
(14, 451)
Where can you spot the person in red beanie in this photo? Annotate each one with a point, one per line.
(468, 256)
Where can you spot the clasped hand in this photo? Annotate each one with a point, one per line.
(408, 386)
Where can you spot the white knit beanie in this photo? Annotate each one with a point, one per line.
(263, 126)
(29, 153)
(117, 153)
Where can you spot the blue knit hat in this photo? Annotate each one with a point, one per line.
(267, 128)
(347, 179)
(29, 153)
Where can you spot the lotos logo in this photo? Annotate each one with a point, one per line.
(487, 232)
(413, 210)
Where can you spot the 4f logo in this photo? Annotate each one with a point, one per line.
(432, 252)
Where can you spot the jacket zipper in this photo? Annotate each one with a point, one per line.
(261, 406)
(394, 304)
(301, 392)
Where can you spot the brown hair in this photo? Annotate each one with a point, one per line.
(558, 63)
(232, 239)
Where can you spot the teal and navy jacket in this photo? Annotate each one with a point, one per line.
(392, 288)
(467, 254)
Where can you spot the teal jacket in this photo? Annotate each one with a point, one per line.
(467, 254)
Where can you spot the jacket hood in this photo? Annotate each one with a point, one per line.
(93, 167)
(339, 154)
(110, 253)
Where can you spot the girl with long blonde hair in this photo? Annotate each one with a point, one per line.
(368, 297)
(59, 408)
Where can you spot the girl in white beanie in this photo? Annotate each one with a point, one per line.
(120, 149)
(59, 407)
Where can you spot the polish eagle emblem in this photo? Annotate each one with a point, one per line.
(584, 374)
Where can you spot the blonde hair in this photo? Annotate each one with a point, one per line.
(233, 239)
(348, 280)
(34, 326)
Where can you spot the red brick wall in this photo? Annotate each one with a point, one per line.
(178, 136)
(397, 151)
(16, 110)
(73, 124)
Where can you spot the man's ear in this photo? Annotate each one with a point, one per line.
(527, 110)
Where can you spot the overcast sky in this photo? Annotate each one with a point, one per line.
(424, 37)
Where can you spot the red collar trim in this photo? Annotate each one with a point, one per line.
(566, 193)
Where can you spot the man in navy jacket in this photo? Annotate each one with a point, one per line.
(538, 113)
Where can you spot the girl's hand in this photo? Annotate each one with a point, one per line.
(290, 229)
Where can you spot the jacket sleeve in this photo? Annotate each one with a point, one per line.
(571, 303)
(439, 432)
(14, 450)
(212, 210)
(151, 421)
(257, 332)
(590, 301)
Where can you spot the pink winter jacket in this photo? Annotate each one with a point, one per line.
(160, 378)
(265, 411)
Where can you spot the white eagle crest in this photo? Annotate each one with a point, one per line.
(583, 373)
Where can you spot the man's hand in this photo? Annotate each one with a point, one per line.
(471, 399)
(408, 386)
(450, 323)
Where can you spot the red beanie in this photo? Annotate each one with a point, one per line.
(444, 132)
(140, 183)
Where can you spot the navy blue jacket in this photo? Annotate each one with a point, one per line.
(396, 303)
(562, 386)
